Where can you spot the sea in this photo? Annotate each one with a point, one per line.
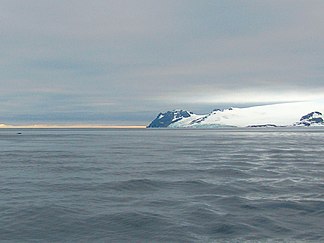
(162, 185)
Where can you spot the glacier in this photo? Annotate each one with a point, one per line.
(275, 115)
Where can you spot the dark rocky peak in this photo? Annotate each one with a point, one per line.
(169, 117)
(312, 115)
(314, 118)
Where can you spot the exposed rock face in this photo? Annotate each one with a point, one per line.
(169, 117)
(263, 125)
(312, 119)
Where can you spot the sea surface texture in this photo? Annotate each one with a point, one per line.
(162, 185)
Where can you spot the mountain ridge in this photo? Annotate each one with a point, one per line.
(277, 115)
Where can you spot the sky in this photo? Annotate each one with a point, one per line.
(122, 62)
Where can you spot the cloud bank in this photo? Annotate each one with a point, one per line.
(120, 62)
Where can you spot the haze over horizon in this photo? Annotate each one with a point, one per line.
(122, 62)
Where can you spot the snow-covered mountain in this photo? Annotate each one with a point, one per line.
(169, 117)
(312, 119)
(287, 114)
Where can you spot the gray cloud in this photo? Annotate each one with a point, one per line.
(124, 61)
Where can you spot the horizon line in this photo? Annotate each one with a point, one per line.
(62, 126)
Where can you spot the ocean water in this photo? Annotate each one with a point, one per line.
(106, 185)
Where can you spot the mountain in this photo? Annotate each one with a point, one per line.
(312, 119)
(285, 114)
(167, 118)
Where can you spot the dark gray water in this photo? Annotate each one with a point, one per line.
(161, 185)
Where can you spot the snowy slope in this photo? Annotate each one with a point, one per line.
(285, 114)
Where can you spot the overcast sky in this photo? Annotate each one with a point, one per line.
(123, 61)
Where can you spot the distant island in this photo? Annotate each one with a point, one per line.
(298, 114)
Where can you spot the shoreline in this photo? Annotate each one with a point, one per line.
(76, 126)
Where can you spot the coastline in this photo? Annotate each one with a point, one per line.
(76, 126)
